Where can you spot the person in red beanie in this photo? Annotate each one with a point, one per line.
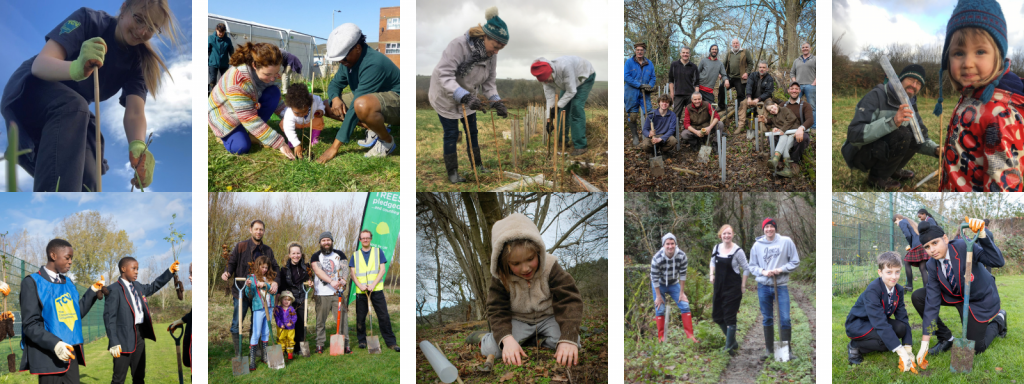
(571, 78)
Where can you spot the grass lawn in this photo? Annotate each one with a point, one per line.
(161, 363)
(497, 155)
(358, 367)
(266, 169)
(538, 367)
(846, 179)
(1001, 363)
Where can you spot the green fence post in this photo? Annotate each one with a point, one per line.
(858, 242)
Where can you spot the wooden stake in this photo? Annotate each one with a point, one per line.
(99, 151)
(494, 130)
(469, 145)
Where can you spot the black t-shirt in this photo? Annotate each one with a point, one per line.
(122, 64)
(684, 78)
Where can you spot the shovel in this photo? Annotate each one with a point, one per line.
(372, 342)
(962, 359)
(782, 348)
(304, 345)
(239, 363)
(337, 339)
(274, 355)
(705, 150)
(657, 164)
(177, 347)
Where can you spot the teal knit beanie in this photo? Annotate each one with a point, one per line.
(495, 27)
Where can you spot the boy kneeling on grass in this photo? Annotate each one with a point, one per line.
(878, 321)
(303, 110)
(127, 319)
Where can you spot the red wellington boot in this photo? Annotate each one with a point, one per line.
(688, 326)
(660, 320)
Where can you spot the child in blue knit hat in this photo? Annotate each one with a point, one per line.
(984, 138)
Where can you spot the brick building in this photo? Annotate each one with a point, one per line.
(390, 37)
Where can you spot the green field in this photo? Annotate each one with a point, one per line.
(845, 179)
(1002, 362)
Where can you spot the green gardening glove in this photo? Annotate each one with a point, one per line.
(89, 58)
(142, 160)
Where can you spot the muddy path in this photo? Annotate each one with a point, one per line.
(746, 365)
(797, 295)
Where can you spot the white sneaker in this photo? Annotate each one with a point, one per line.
(369, 141)
(379, 149)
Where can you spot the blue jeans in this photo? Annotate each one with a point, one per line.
(246, 308)
(237, 141)
(666, 292)
(766, 297)
(260, 328)
(451, 132)
(810, 92)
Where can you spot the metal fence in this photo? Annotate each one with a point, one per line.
(16, 270)
(862, 228)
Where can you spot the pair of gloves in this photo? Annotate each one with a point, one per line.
(474, 103)
(89, 59)
(910, 363)
(647, 88)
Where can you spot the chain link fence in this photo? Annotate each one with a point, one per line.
(862, 228)
(15, 270)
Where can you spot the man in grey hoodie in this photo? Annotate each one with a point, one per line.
(772, 258)
(668, 276)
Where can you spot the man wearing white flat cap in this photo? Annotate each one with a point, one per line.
(374, 101)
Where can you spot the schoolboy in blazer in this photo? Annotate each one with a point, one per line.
(127, 319)
(878, 320)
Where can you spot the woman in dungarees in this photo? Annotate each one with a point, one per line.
(727, 260)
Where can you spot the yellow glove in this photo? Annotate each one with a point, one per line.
(175, 324)
(174, 266)
(922, 354)
(142, 160)
(64, 351)
(908, 248)
(89, 58)
(97, 286)
(976, 225)
(4, 288)
(7, 315)
(906, 358)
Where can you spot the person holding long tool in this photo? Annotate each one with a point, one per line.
(48, 96)
(699, 120)
(51, 315)
(945, 287)
(469, 62)
(257, 287)
(640, 80)
(879, 140)
(294, 278)
(128, 321)
(772, 258)
(330, 277)
(660, 127)
(878, 321)
(185, 321)
(570, 78)
(374, 101)
(368, 265)
(241, 255)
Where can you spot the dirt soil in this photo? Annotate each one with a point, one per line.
(746, 170)
(747, 364)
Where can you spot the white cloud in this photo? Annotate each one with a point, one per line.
(169, 111)
(867, 24)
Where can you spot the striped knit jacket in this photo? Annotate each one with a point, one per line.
(233, 103)
(666, 271)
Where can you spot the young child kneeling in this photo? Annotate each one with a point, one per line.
(285, 317)
(878, 322)
(298, 115)
(530, 293)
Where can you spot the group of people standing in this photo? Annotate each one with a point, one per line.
(326, 275)
(246, 92)
(772, 258)
(687, 114)
(470, 63)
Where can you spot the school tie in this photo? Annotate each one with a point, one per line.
(949, 275)
(138, 303)
(890, 300)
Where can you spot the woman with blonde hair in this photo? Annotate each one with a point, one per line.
(246, 97)
(47, 98)
(469, 62)
(727, 261)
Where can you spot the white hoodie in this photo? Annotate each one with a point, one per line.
(768, 255)
(567, 73)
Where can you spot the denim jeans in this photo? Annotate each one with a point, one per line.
(766, 297)
(260, 328)
(810, 92)
(246, 309)
(451, 132)
(666, 292)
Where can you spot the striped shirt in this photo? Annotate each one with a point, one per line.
(233, 103)
(668, 271)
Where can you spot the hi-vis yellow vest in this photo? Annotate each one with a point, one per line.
(366, 273)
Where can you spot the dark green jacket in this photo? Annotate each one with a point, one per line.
(372, 73)
(220, 50)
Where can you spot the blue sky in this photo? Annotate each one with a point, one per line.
(24, 26)
(880, 23)
(144, 216)
(312, 18)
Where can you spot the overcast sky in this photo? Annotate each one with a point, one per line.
(880, 23)
(537, 28)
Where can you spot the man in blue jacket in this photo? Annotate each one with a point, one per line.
(945, 287)
(640, 80)
(878, 322)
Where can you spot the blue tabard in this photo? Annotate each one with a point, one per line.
(60, 309)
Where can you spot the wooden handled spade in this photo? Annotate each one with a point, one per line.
(372, 341)
(782, 348)
(274, 353)
(304, 345)
(239, 363)
(962, 359)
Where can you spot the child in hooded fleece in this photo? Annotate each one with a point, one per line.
(772, 258)
(529, 294)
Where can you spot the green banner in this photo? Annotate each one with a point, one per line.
(380, 217)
